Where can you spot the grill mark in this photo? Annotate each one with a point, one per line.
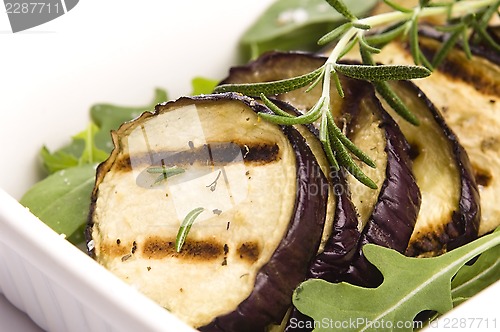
(455, 67)
(158, 248)
(212, 154)
(115, 249)
(482, 176)
(248, 251)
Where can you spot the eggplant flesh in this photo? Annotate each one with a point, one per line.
(264, 198)
(466, 93)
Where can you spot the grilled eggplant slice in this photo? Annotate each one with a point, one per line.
(450, 211)
(467, 94)
(264, 198)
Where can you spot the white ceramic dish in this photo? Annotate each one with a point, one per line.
(101, 51)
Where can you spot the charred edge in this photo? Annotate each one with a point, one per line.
(454, 67)
(158, 248)
(414, 150)
(209, 154)
(428, 245)
(114, 249)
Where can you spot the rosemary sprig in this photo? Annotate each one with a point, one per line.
(186, 227)
(472, 16)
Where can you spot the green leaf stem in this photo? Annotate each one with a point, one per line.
(334, 34)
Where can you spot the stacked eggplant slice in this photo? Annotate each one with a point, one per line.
(466, 93)
(273, 211)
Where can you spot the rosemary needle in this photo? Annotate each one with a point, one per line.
(186, 227)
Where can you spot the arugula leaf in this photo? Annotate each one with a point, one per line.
(58, 160)
(62, 199)
(296, 24)
(81, 150)
(109, 117)
(471, 279)
(411, 285)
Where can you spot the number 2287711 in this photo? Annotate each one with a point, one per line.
(464, 323)
(31, 7)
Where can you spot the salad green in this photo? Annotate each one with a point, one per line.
(427, 285)
(295, 25)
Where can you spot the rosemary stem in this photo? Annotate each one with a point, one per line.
(339, 47)
(457, 9)
(325, 94)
